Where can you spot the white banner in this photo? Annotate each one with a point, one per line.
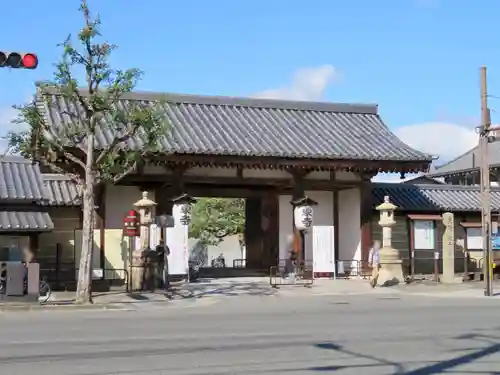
(323, 248)
(177, 242)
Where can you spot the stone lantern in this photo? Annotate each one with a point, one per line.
(145, 207)
(391, 269)
(303, 213)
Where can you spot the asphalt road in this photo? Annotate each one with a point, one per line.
(260, 335)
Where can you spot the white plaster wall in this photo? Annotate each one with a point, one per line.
(211, 172)
(229, 246)
(119, 200)
(268, 173)
(347, 176)
(349, 225)
(318, 175)
(265, 173)
(323, 215)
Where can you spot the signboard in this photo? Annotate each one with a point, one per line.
(495, 241)
(176, 240)
(475, 239)
(423, 231)
(323, 249)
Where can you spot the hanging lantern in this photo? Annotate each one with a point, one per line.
(185, 203)
(303, 213)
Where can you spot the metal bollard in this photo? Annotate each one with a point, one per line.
(436, 266)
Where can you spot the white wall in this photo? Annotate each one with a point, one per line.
(323, 215)
(349, 224)
(229, 246)
(119, 200)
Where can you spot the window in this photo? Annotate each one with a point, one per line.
(11, 248)
(423, 234)
(474, 239)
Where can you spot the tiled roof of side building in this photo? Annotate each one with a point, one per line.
(429, 198)
(468, 161)
(20, 221)
(20, 181)
(62, 191)
(215, 125)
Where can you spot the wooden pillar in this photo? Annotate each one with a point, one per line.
(366, 217)
(33, 245)
(253, 233)
(269, 223)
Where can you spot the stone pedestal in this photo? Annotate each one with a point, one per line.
(448, 248)
(137, 274)
(145, 208)
(391, 268)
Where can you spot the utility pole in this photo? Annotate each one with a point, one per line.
(485, 184)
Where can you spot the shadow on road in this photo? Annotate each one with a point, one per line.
(231, 289)
(447, 366)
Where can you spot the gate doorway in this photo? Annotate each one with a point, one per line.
(234, 236)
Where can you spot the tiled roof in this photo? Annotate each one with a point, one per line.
(61, 190)
(20, 180)
(433, 197)
(468, 162)
(213, 125)
(15, 220)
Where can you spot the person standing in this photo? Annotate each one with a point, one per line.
(374, 262)
(162, 252)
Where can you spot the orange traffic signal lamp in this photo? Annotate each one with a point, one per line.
(18, 60)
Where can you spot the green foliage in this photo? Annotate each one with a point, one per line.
(215, 218)
(95, 96)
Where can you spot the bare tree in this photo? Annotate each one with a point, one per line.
(71, 147)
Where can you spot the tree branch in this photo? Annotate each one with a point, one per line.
(116, 141)
(117, 178)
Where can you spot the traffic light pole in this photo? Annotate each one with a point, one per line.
(485, 185)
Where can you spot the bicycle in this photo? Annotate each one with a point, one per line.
(44, 289)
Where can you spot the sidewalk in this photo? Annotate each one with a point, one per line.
(426, 288)
(255, 286)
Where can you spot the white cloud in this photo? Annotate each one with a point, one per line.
(308, 84)
(446, 140)
(443, 139)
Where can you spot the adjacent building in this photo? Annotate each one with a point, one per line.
(464, 169)
(419, 229)
(23, 213)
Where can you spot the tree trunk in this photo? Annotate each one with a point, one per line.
(84, 285)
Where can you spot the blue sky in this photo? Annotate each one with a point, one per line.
(418, 59)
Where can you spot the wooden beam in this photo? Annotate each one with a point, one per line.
(298, 163)
(170, 180)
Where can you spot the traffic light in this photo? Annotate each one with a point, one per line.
(18, 60)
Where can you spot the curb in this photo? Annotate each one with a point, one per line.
(61, 307)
